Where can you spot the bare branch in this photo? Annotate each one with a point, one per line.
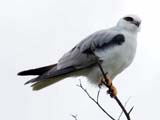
(109, 87)
(124, 106)
(95, 101)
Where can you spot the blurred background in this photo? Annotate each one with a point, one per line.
(36, 33)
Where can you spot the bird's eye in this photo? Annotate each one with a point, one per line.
(129, 19)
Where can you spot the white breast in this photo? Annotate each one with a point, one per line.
(115, 59)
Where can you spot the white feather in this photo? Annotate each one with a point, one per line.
(117, 58)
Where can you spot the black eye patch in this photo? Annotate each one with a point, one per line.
(129, 19)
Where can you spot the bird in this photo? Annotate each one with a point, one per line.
(114, 47)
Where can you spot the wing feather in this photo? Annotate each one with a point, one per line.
(80, 56)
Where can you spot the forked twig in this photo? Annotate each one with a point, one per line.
(95, 101)
(74, 116)
(125, 106)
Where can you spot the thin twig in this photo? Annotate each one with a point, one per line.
(95, 101)
(130, 110)
(124, 106)
(74, 116)
(109, 87)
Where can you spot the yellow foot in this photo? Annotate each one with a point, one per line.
(112, 89)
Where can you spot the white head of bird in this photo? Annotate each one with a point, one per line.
(130, 22)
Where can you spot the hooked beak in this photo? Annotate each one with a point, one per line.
(137, 23)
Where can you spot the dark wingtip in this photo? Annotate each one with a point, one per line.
(21, 73)
(37, 71)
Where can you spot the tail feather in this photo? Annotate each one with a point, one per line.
(40, 84)
(45, 83)
(37, 71)
(31, 81)
(50, 77)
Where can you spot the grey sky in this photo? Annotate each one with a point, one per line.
(34, 33)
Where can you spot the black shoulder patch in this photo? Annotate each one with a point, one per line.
(118, 39)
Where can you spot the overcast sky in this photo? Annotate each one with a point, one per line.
(35, 33)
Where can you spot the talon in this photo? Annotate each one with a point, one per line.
(109, 91)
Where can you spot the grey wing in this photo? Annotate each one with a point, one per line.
(80, 56)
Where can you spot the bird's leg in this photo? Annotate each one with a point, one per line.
(112, 89)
